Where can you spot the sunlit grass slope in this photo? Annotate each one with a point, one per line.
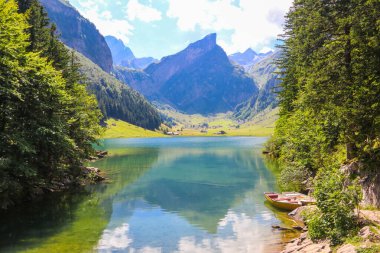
(122, 129)
(261, 125)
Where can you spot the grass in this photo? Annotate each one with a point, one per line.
(249, 131)
(122, 129)
(191, 125)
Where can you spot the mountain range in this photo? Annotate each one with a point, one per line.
(199, 79)
(248, 58)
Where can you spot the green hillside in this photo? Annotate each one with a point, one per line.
(117, 100)
(122, 129)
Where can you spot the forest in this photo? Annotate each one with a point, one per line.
(328, 135)
(48, 121)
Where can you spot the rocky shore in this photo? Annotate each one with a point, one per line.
(87, 175)
(366, 241)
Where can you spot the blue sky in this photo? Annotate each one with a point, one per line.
(159, 28)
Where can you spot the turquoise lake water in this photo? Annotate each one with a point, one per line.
(163, 195)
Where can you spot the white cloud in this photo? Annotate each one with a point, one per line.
(253, 23)
(245, 232)
(265, 50)
(137, 11)
(115, 239)
(104, 21)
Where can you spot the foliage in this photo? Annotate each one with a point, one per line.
(370, 249)
(329, 102)
(336, 200)
(293, 178)
(47, 120)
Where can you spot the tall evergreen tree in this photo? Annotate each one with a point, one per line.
(47, 120)
(330, 110)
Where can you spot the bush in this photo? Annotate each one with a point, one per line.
(336, 201)
(292, 178)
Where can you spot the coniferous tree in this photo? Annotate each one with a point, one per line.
(329, 103)
(48, 121)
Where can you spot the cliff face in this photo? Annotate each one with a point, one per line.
(121, 54)
(79, 33)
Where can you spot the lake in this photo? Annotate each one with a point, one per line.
(163, 195)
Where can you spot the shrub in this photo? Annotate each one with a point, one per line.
(336, 201)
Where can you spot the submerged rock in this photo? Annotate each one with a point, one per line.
(92, 174)
(101, 154)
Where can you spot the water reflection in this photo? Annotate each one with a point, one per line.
(164, 195)
(197, 197)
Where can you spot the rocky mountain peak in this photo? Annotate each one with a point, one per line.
(120, 53)
(206, 44)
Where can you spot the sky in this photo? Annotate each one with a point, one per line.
(158, 28)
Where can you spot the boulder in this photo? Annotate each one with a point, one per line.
(369, 235)
(346, 248)
(304, 245)
(297, 213)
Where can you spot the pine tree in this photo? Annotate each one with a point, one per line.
(330, 96)
(48, 121)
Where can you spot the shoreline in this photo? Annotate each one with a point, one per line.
(366, 240)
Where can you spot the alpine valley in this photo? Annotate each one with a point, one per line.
(163, 138)
(199, 80)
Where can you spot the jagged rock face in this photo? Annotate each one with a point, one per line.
(209, 85)
(199, 79)
(124, 57)
(79, 33)
(120, 53)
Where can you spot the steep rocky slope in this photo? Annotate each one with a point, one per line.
(79, 33)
